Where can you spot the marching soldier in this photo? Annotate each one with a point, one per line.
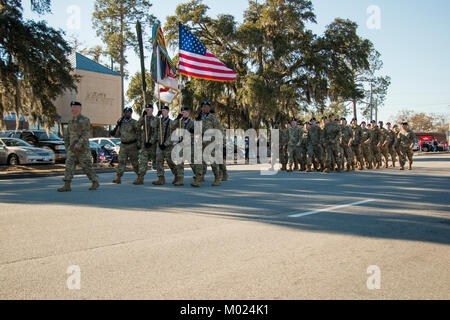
(304, 147)
(406, 143)
(78, 150)
(376, 139)
(209, 121)
(283, 135)
(130, 136)
(366, 145)
(184, 122)
(295, 139)
(164, 129)
(396, 145)
(346, 142)
(392, 140)
(147, 125)
(355, 143)
(315, 141)
(331, 133)
(385, 140)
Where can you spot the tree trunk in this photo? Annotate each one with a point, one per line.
(355, 115)
(122, 56)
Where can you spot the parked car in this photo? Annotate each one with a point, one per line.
(112, 144)
(15, 151)
(40, 139)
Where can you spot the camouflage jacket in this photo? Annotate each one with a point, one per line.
(128, 131)
(390, 138)
(78, 133)
(147, 125)
(210, 121)
(331, 132)
(186, 124)
(366, 136)
(376, 136)
(304, 142)
(315, 136)
(384, 139)
(356, 135)
(295, 135)
(406, 138)
(164, 129)
(346, 135)
(284, 137)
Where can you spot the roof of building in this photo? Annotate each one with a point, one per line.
(81, 62)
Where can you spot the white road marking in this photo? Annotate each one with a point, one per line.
(330, 209)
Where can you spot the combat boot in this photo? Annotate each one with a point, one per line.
(402, 167)
(308, 168)
(180, 181)
(216, 182)
(139, 180)
(349, 167)
(370, 166)
(197, 182)
(327, 169)
(360, 167)
(338, 169)
(94, 186)
(202, 178)
(295, 167)
(118, 179)
(386, 165)
(225, 176)
(302, 168)
(161, 180)
(378, 165)
(410, 166)
(290, 169)
(393, 164)
(175, 180)
(283, 167)
(66, 187)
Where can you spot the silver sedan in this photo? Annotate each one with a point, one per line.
(15, 151)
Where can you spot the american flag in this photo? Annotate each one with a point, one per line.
(198, 62)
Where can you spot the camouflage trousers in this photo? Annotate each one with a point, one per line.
(215, 167)
(128, 151)
(348, 155)
(146, 155)
(333, 152)
(180, 166)
(84, 159)
(303, 155)
(367, 153)
(358, 154)
(406, 152)
(165, 155)
(393, 153)
(384, 151)
(376, 153)
(293, 152)
(315, 152)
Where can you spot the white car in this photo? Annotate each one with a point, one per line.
(112, 144)
(14, 151)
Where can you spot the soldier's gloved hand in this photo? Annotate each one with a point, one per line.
(159, 113)
(179, 116)
(199, 117)
(162, 147)
(144, 113)
(119, 122)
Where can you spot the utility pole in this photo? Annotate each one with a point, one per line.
(370, 103)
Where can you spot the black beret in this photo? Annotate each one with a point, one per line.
(395, 126)
(343, 119)
(373, 121)
(185, 109)
(293, 119)
(354, 119)
(363, 122)
(380, 121)
(324, 117)
(388, 124)
(205, 103)
(165, 107)
(308, 123)
(75, 103)
(128, 109)
(277, 122)
(331, 115)
(404, 123)
(148, 106)
(313, 119)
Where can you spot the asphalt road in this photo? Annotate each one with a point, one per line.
(287, 236)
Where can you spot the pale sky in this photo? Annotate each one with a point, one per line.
(413, 40)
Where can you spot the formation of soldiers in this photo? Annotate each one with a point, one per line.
(326, 147)
(333, 145)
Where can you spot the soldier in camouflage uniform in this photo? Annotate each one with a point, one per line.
(78, 150)
(376, 140)
(130, 137)
(396, 145)
(294, 141)
(331, 135)
(346, 142)
(314, 142)
(147, 125)
(183, 122)
(303, 147)
(209, 121)
(283, 136)
(355, 143)
(164, 146)
(366, 145)
(385, 140)
(392, 141)
(406, 144)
